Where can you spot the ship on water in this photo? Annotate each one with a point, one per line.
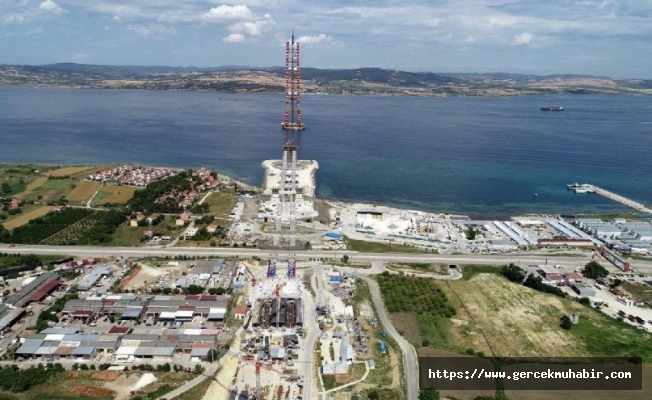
(552, 108)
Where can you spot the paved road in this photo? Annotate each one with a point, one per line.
(465, 259)
(410, 364)
(310, 318)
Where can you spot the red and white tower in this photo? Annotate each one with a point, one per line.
(292, 117)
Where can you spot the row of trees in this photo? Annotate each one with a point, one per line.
(515, 274)
(16, 380)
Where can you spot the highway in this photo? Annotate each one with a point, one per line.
(462, 259)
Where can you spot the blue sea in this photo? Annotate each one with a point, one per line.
(476, 156)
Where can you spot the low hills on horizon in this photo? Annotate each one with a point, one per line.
(358, 81)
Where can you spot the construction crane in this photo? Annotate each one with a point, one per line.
(258, 365)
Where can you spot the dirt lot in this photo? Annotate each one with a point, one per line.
(115, 194)
(83, 191)
(22, 219)
(407, 324)
(147, 274)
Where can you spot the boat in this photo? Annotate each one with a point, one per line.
(552, 108)
(581, 190)
(573, 186)
(536, 195)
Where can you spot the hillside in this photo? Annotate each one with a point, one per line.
(360, 81)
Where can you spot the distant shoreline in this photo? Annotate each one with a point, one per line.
(347, 82)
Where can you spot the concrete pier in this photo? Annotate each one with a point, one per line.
(618, 198)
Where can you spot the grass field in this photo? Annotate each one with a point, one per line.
(363, 246)
(114, 195)
(24, 218)
(196, 393)
(221, 203)
(640, 291)
(491, 309)
(83, 191)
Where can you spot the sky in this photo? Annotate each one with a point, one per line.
(589, 37)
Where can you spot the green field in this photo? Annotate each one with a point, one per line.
(373, 247)
(220, 204)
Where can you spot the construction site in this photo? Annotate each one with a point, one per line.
(271, 359)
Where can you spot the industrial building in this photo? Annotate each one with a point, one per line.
(66, 343)
(8, 316)
(35, 290)
(93, 277)
(550, 273)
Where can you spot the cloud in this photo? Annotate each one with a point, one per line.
(234, 38)
(14, 19)
(51, 7)
(227, 14)
(522, 39)
(253, 28)
(321, 39)
(152, 29)
(116, 19)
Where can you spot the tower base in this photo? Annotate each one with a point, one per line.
(290, 126)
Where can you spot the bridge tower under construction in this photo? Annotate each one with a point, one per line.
(292, 117)
(288, 191)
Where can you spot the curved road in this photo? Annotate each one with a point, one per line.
(410, 359)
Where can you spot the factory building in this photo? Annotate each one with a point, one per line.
(93, 277)
(35, 290)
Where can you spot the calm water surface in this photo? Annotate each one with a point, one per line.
(481, 156)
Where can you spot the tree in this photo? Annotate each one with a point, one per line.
(616, 283)
(594, 270)
(6, 188)
(429, 394)
(194, 289)
(566, 322)
(373, 395)
(470, 233)
(345, 258)
(307, 245)
(584, 301)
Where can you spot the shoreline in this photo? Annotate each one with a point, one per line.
(618, 208)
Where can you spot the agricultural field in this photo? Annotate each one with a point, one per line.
(70, 226)
(29, 188)
(70, 171)
(52, 189)
(26, 216)
(83, 192)
(113, 195)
